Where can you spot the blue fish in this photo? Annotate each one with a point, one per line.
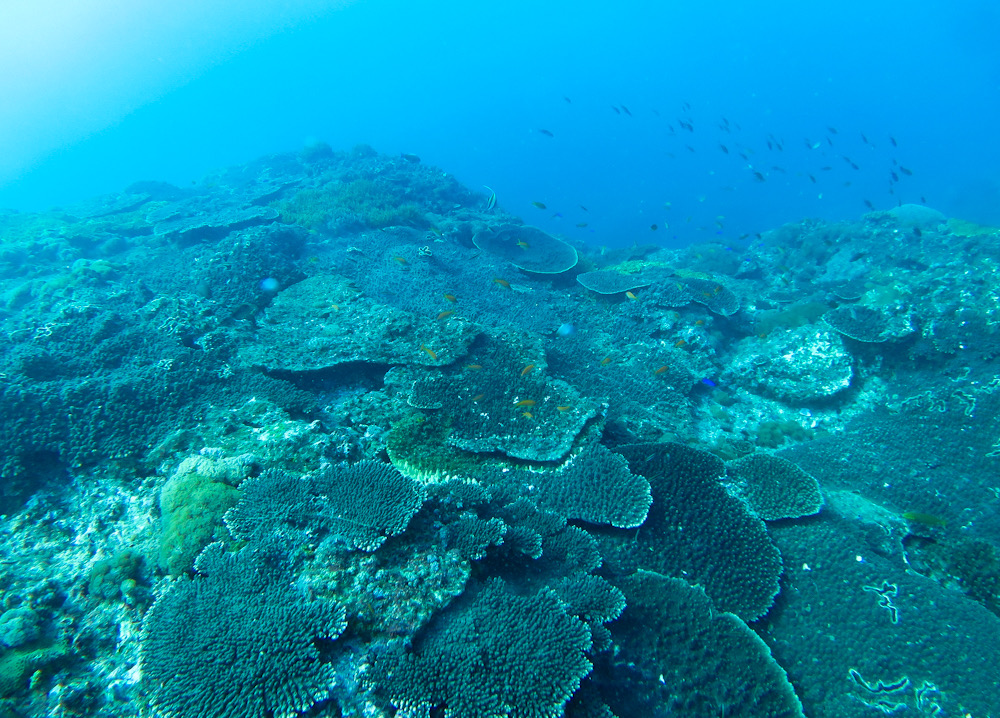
(708, 382)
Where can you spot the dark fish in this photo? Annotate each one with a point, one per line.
(916, 231)
(854, 166)
(653, 227)
(864, 139)
(686, 106)
(626, 111)
(812, 178)
(832, 130)
(744, 156)
(724, 149)
(829, 141)
(686, 125)
(568, 101)
(770, 146)
(869, 205)
(617, 111)
(847, 159)
(758, 176)
(409, 158)
(779, 169)
(781, 147)
(905, 171)
(689, 148)
(826, 169)
(584, 208)
(546, 133)
(895, 177)
(923, 200)
(893, 141)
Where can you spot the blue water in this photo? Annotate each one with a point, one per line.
(98, 96)
(294, 421)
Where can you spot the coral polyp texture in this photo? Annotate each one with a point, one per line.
(330, 434)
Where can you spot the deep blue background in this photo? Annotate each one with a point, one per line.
(467, 86)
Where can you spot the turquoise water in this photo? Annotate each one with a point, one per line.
(362, 359)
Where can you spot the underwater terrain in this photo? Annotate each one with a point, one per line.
(331, 434)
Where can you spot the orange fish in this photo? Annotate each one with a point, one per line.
(502, 282)
(401, 260)
(630, 295)
(522, 244)
(524, 402)
(477, 397)
(699, 322)
(605, 361)
(474, 367)
(527, 369)
(679, 343)
(444, 315)
(527, 415)
(661, 369)
(451, 297)
(430, 352)
(565, 407)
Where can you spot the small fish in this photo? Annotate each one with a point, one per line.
(769, 145)
(893, 141)
(568, 101)
(690, 148)
(605, 361)
(527, 369)
(478, 397)
(832, 130)
(660, 370)
(527, 415)
(474, 367)
(540, 205)
(502, 282)
(653, 227)
(926, 519)
(917, 232)
(679, 343)
(430, 352)
(864, 139)
(895, 177)
(626, 110)
(630, 295)
(854, 166)
(617, 111)
(869, 205)
(724, 149)
(546, 133)
(581, 225)
(409, 157)
(564, 407)
(584, 208)
(826, 169)
(758, 176)
(812, 179)
(524, 402)
(451, 298)
(700, 323)
(908, 173)
(782, 170)
(445, 314)
(708, 382)
(401, 260)
(492, 201)
(522, 244)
